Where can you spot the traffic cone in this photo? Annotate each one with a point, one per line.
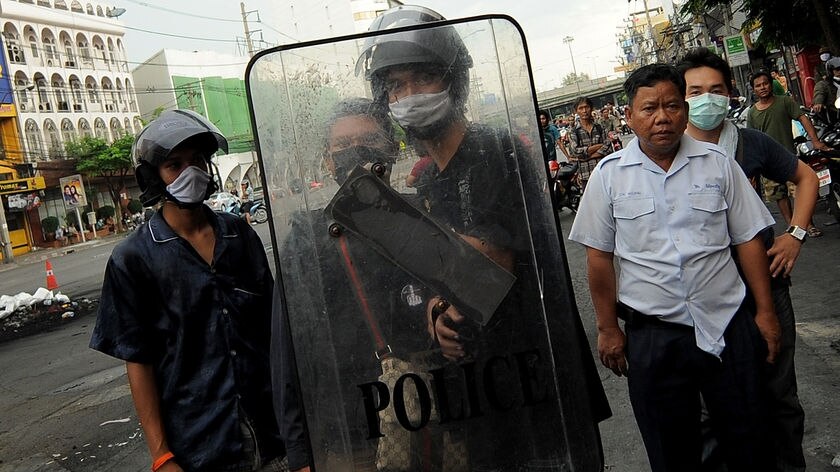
(52, 284)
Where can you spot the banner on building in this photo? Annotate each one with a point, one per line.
(5, 80)
(73, 191)
(21, 185)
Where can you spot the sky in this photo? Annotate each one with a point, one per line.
(592, 23)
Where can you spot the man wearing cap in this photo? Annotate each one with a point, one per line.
(189, 319)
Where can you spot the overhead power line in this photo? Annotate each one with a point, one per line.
(178, 12)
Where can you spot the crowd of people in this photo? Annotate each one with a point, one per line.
(703, 285)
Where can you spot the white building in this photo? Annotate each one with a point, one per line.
(305, 20)
(68, 68)
(208, 83)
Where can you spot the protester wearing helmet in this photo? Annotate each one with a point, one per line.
(474, 188)
(189, 319)
(422, 76)
(827, 91)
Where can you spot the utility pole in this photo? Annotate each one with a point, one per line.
(568, 40)
(5, 240)
(650, 32)
(248, 41)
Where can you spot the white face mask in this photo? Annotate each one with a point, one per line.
(708, 110)
(825, 56)
(190, 186)
(422, 109)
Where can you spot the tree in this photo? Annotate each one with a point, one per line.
(571, 78)
(786, 22)
(97, 159)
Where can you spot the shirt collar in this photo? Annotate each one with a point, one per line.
(689, 147)
(161, 232)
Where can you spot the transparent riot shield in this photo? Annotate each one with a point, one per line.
(385, 232)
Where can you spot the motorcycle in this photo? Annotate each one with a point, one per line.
(625, 129)
(738, 115)
(565, 184)
(826, 164)
(615, 141)
(259, 214)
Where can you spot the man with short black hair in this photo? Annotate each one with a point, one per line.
(772, 115)
(668, 208)
(588, 140)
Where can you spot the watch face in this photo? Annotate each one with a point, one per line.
(797, 232)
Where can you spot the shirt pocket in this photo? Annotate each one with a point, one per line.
(708, 216)
(635, 223)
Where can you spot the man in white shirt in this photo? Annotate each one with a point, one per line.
(668, 208)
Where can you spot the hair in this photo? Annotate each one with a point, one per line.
(543, 113)
(358, 106)
(581, 100)
(650, 75)
(760, 73)
(703, 57)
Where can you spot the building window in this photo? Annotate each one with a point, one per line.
(53, 139)
(14, 49)
(68, 132)
(99, 129)
(116, 129)
(33, 139)
(84, 129)
(33, 45)
(44, 103)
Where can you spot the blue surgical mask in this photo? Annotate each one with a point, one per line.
(190, 186)
(422, 109)
(707, 111)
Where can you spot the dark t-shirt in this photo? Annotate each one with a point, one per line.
(477, 194)
(764, 157)
(205, 331)
(775, 120)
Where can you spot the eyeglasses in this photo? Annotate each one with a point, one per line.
(417, 80)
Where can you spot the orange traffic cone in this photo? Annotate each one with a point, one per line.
(52, 284)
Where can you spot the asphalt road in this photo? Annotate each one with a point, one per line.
(65, 407)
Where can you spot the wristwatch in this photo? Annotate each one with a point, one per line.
(797, 232)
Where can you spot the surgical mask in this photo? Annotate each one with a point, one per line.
(707, 111)
(825, 56)
(346, 159)
(422, 109)
(190, 186)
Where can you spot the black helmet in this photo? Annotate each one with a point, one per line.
(441, 46)
(157, 140)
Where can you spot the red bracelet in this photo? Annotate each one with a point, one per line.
(158, 463)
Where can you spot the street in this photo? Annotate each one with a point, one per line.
(66, 407)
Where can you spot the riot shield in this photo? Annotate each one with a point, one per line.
(454, 221)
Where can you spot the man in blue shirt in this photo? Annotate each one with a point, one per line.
(191, 321)
(668, 208)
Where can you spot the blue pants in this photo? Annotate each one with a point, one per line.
(668, 373)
